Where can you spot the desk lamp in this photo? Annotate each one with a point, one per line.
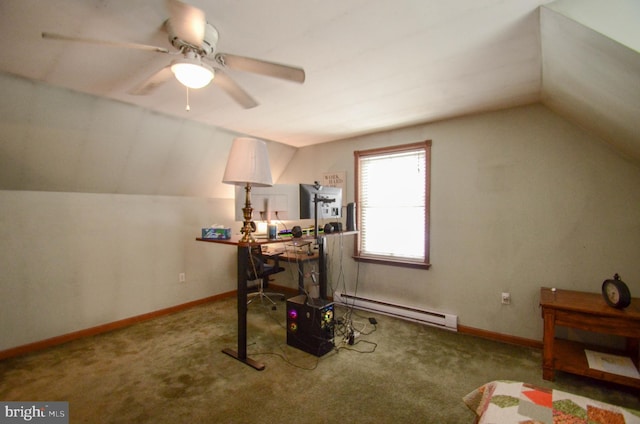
(248, 165)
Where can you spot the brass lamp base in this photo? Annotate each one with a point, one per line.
(247, 212)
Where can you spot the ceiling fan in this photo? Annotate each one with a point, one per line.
(199, 63)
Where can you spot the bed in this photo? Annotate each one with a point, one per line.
(504, 402)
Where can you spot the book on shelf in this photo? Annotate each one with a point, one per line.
(613, 364)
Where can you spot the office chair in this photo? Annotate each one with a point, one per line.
(259, 269)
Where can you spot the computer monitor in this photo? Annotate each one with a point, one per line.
(329, 201)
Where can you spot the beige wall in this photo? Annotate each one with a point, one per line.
(100, 205)
(72, 261)
(519, 199)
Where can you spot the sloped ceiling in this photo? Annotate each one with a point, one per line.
(55, 139)
(371, 65)
(591, 74)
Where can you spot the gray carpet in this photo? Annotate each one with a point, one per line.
(171, 370)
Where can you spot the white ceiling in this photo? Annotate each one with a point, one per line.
(370, 65)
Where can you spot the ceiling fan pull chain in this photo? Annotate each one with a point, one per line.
(188, 108)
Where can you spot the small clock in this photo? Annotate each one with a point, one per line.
(616, 293)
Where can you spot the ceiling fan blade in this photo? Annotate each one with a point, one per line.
(52, 36)
(188, 22)
(262, 67)
(236, 92)
(153, 82)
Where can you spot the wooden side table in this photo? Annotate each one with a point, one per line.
(589, 312)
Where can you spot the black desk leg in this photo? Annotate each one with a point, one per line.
(300, 265)
(241, 353)
(322, 263)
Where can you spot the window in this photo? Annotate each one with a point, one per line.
(392, 203)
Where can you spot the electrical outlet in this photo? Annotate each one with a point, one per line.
(506, 298)
(182, 277)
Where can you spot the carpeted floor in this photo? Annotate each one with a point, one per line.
(171, 370)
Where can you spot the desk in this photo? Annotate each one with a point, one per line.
(589, 312)
(243, 262)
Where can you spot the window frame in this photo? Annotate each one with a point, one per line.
(386, 260)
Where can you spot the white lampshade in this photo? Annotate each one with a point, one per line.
(248, 162)
(191, 73)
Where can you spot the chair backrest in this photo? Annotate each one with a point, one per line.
(258, 266)
(255, 270)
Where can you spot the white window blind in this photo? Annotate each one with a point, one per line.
(393, 209)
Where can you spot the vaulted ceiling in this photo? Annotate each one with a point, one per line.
(370, 65)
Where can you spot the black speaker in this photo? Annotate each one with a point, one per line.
(351, 216)
(310, 325)
(296, 231)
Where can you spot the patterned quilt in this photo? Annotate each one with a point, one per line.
(503, 402)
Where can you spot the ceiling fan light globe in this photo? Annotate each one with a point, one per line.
(192, 75)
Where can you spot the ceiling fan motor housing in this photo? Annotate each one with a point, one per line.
(209, 42)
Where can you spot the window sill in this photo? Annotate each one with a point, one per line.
(391, 262)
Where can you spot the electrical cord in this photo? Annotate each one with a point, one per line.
(297, 273)
(350, 307)
(288, 361)
(281, 222)
(348, 329)
(375, 346)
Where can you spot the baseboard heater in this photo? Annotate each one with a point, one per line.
(436, 319)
